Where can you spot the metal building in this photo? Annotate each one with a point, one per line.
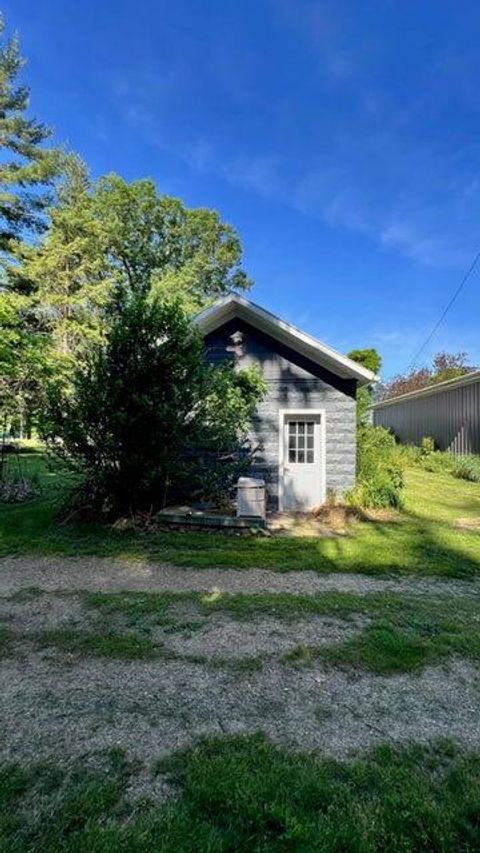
(448, 412)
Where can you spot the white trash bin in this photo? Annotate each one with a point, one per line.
(251, 498)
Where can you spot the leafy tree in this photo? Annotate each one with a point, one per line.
(154, 244)
(146, 417)
(370, 359)
(112, 239)
(449, 366)
(444, 366)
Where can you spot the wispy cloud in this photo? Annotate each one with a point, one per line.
(373, 166)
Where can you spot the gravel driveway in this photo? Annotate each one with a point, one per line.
(55, 704)
(107, 575)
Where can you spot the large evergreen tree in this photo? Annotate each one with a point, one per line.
(66, 270)
(27, 170)
(28, 166)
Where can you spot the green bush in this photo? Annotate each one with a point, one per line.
(379, 470)
(466, 468)
(146, 420)
(425, 457)
(437, 462)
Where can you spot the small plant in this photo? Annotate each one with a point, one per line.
(427, 445)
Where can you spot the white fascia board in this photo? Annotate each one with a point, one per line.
(235, 305)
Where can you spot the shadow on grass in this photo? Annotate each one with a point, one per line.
(413, 544)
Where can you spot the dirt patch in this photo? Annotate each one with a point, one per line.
(472, 523)
(220, 637)
(326, 521)
(43, 613)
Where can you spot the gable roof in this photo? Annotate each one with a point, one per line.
(232, 306)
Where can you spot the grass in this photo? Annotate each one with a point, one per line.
(403, 633)
(423, 541)
(245, 794)
(101, 643)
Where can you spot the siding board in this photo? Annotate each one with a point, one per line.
(450, 415)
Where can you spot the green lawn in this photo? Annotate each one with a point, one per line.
(244, 794)
(424, 541)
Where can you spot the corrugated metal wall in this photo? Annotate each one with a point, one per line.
(451, 417)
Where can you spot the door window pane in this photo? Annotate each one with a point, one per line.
(301, 442)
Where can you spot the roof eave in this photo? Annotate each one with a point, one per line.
(235, 305)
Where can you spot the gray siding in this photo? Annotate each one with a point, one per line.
(293, 383)
(451, 417)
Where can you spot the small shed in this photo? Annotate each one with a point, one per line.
(448, 412)
(304, 429)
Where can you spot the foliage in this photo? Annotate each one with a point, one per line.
(111, 239)
(370, 359)
(244, 793)
(107, 242)
(466, 468)
(24, 354)
(24, 178)
(379, 473)
(146, 415)
(66, 272)
(449, 366)
(28, 170)
(155, 244)
(444, 366)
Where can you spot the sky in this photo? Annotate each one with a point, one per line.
(341, 139)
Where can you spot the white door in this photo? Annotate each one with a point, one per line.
(302, 474)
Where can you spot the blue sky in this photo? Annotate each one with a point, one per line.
(341, 139)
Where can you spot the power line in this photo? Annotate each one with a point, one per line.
(447, 309)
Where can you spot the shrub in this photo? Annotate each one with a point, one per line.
(427, 445)
(466, 468)
(425, 457)
(146, 419)
(379, 472)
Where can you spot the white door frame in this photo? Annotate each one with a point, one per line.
(281, 449)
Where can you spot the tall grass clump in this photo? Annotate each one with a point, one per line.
(379, 470)
(466, 468)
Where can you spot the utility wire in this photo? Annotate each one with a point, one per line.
(447, 309)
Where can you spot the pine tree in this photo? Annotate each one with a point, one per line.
(67, 267)
(27, 171)
(27, 168)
